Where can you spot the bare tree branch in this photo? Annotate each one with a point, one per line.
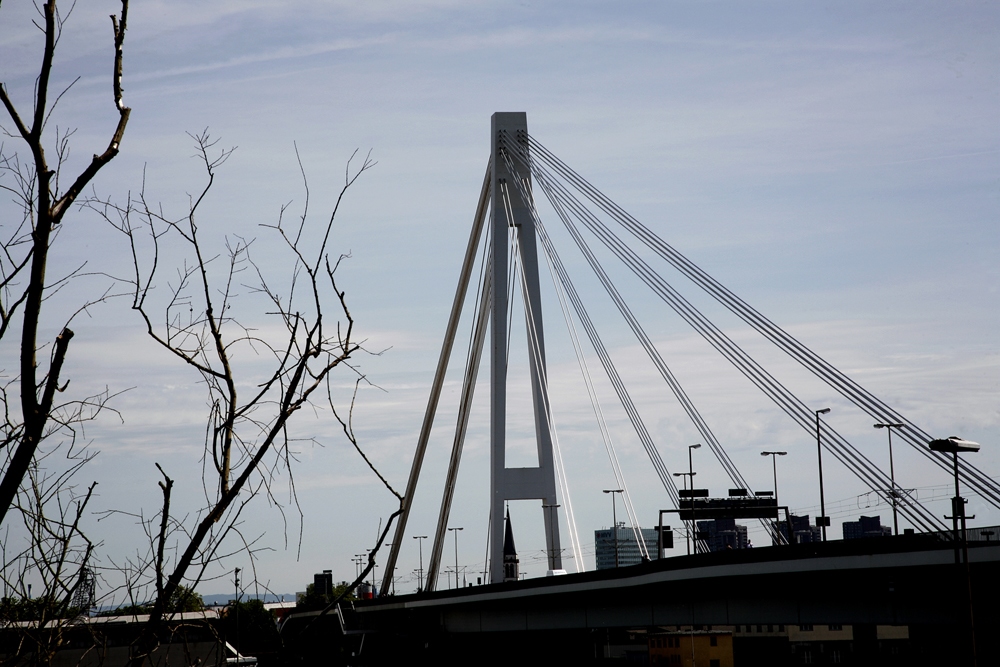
(45, 208)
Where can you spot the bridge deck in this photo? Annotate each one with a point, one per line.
(898, 581)
(891, 580)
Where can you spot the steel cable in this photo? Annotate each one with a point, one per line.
(836, 379)
(852, 458)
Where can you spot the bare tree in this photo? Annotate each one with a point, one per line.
(202, 320)
(35, 413)
(248, 438)
(43, 539)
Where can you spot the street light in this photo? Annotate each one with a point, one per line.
(892, 474)
(687, 532)
(955, 445)
(774, 465)
(420, 573)
(614, 519)
(455, 530)
(694, 524)
(691, 467)
(823, 519)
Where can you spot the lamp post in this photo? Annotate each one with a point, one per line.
(614, 519)
(236, 609)
(892, 474)
(823, 520)
(694, 523)
(955, 445)
(687, 533)
(420, 573)
(455, 530)
(774, 466)
(774, 456)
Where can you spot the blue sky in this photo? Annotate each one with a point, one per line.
(836, 165)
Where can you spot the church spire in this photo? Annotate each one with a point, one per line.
(510, 561)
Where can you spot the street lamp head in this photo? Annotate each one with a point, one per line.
(823, 411)
(888, 425)
(420, 537)
(614, 490)
(694, 446)
(953, 445)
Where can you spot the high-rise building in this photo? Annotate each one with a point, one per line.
(722, 534)
(804, 531)
(323, 583)
(628, 547)
(867, 526)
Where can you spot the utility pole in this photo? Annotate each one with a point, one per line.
(892, 475)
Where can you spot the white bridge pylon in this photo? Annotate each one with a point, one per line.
(510, 217)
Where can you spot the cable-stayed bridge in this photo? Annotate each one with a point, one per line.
(799, 584)
(510, 238)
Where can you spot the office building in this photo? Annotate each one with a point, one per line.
(628, 547)
(866, 526)
(804, 531)
(722, 534)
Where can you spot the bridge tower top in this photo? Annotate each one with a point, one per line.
(512, 222)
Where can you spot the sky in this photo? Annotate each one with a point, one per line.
(836, 165)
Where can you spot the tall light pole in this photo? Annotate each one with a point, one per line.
(892, 475)
(955, 445)
(774, 465)
(455, 530)
(687, 533)
(420, 573)
(822, 521)
(614, 519)
(694, 523)
(236, 609)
